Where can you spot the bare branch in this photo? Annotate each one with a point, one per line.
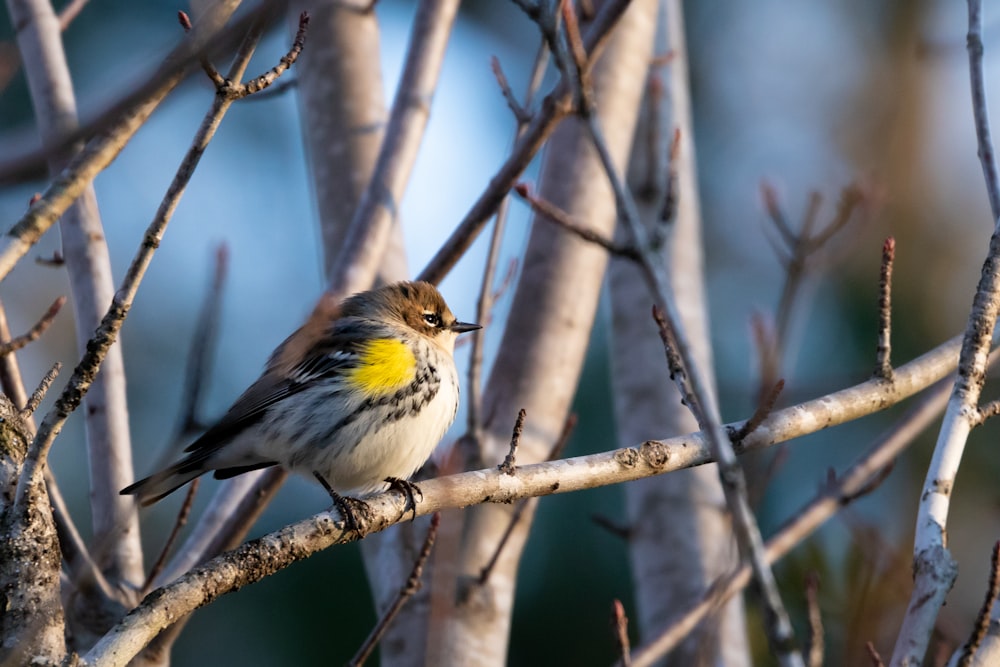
(980, 113)
(522, 115)
(874, 655)
(486, 296)
(33, 334)
(883, 353)
(43, 387)
(553, 214)
(263, 81)
(760, 414)
(179, 523)
(507, 466)
(69, 12)
(405, 593)
(554, 108)
(361, 252)
(86, 370)
(213, 74)
(203, 346)
(830, 499)
(816, 643)
(619, 623)
(110, 137)
(934, 568)
(983, 617)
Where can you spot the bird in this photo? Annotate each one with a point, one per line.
(357, 397)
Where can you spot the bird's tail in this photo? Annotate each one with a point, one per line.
(150, 489)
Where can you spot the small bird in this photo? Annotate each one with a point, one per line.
(359, 396)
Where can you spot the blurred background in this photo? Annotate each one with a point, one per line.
(803, 96)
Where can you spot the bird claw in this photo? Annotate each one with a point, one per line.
(408, 489)
(347, 506)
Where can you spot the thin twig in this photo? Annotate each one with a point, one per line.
(213, 74)
(361, 251)
(619, 624)
(772, 204)
(829, 500)
(508, 466)
(261, 82)
(33, 334)
(114, 125)
(203, 345)
(83, 571)
(405, 593)
(618, 530)
(553, 109)
(487, 297)
(874, 655)
(674, 365)
(109, 134)
(980, 112)
(515, 518)
(554, 214)
(983, 618)
(168, 546)
(522, 115)
(43, 387)
(277, 90)
(851, 197)
(883, 353)
(668, 211)
(987, 411)
(704, 404)
(764, 409)
(302, 539)
(575, 42)
(107, 332)
(557, 449)
(68, 13)
(935, 569)
(814, 655)
(795, 252)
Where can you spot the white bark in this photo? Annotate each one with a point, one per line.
(934, 568)
(115, 518)
(680, 533)
(343, 121)
(546, 337)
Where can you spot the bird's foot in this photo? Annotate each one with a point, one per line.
(347, 506)
(409, 489)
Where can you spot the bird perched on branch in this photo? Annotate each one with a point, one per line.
(359, 396)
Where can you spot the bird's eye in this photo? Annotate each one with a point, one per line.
(432, 319)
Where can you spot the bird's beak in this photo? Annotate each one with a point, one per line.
(462, 327)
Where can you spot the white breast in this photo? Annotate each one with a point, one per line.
(359, 457)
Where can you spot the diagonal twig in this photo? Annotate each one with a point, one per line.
(408, 590)
(703, 403)
(35, 332)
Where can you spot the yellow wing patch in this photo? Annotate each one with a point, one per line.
(385, 365)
